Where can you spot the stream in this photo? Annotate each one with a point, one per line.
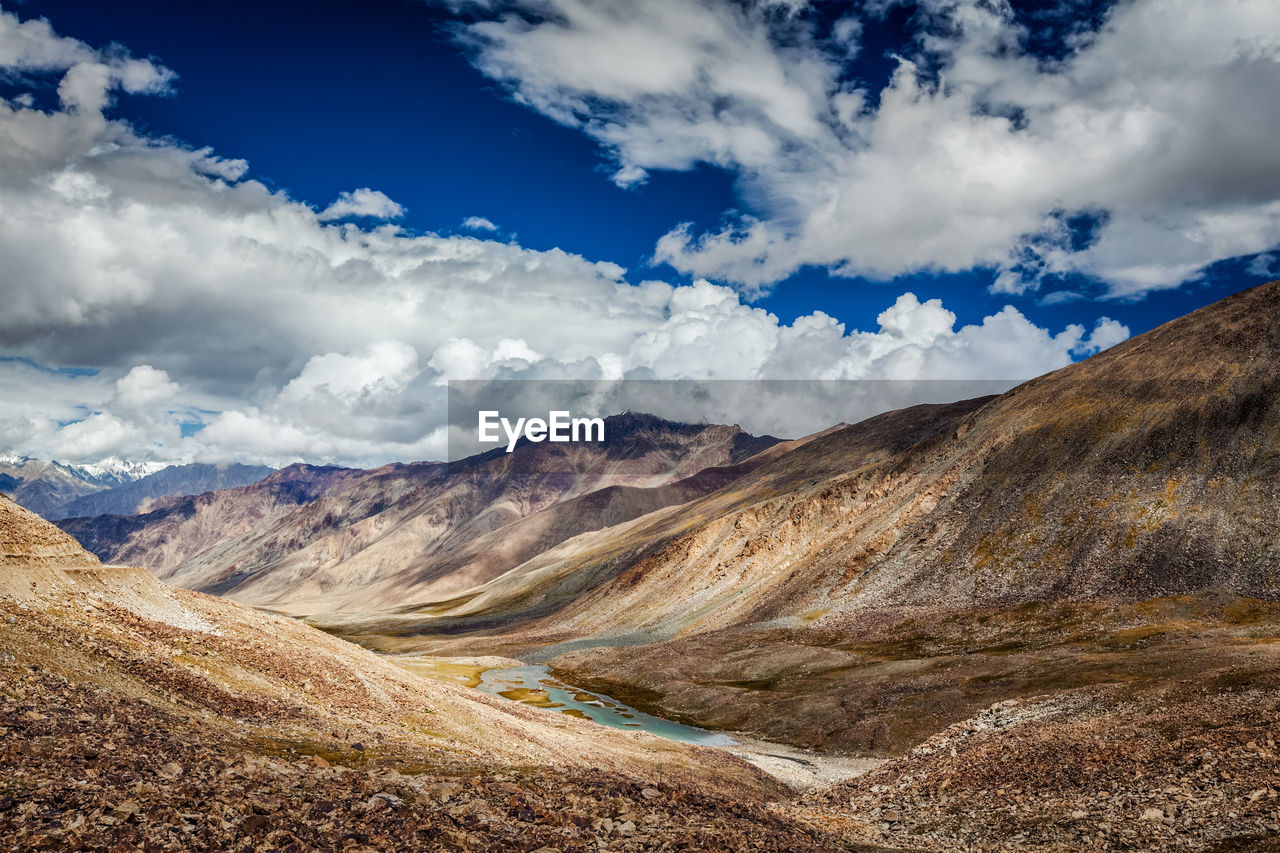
(534, 685)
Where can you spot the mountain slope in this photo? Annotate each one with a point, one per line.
(173, 481)
(375, 537)
(595, 581)
(26, 540)
(1150, 469)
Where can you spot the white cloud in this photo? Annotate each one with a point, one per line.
(90, 75)
(1263, 266)
(383, 367)
(34, 46)
(1163, 122)
(478, 223)
(207, 298)
(362, 202)
(144, 386)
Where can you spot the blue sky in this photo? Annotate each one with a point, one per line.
(460, 110)
(321, 97)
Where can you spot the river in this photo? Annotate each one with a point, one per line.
(534, 685)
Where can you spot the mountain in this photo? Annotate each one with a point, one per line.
(362, 539)
(43, 486)
(181, 527)
(139, 495)
(142, 717)
(1151, 469)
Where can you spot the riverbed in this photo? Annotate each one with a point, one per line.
(532, 684)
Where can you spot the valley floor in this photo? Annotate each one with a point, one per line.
(1054, 727)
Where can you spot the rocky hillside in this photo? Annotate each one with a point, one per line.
(369, 539)
(27, 540)
(139, 495)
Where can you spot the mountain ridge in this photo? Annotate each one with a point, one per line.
(355, 538)
(138, 496)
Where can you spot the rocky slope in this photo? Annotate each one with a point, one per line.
(370, 539)
(28, 541)
(135, 716)
(1090, 769)
(139, 495)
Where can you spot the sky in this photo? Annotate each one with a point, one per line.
(267, 232)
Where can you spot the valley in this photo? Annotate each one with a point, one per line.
(1059, 603)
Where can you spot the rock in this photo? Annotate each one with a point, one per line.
(650, 793)
(253, 823)
(389, 798)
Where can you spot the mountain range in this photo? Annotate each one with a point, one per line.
(56, 491)
(45, 486)
(311, 537)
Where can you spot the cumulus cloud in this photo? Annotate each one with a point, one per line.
(362, 202)
(1161, 124)
(34, 46)
(226, 321)
(478, 223)
(143, 387)
(90, 75)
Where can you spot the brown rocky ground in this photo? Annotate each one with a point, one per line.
(1090, 769)
(124, 733)
(86, 770)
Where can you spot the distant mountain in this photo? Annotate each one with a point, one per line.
(42, 486)
(307, 538)
(176, 480)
